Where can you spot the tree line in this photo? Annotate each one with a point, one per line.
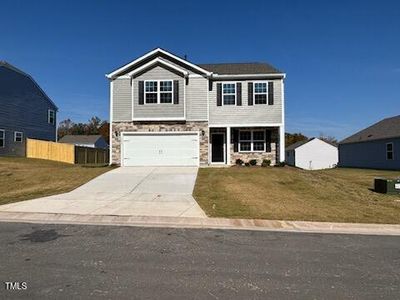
(93, 126)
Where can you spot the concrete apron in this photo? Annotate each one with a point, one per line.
(209, 223)
(133, 191)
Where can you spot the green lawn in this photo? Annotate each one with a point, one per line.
(27, 178)
(337, 195)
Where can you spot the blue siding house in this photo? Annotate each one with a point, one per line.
(376, 147)
(25, 111)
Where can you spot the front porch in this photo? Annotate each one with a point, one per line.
(228, 144)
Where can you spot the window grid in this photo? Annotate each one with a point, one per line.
(50, 116)
(252, 141)
(389, 151)
(18, 135)
(158, 91)
(2, 138)
(229, 93)
(260, 92)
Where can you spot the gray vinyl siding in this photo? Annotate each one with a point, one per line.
(24, 108)
(196, 95)
(122, 100)
(256, 113)
(371, 155)
(162, 110)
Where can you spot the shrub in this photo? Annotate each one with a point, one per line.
(266, 163)
(247, 164)
(280, 164)
(239, 162)
(253, 162)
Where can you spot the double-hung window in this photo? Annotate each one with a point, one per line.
(166, 91)
(158, 91)
(389, 151)
(18, 135)
(260, 92)
(51, 116)
(2, 138)
(252, 141)
(229, 93)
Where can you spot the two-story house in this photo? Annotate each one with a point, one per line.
(25, 111)
(167, 111)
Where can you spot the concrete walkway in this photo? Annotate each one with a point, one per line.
(130, 191)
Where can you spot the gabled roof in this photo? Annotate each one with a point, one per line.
(154, 53)
(255, 69)
(29, 77)
(158, 61)
(80, 139)
(301, 143)
(241, 68)
(387, 128)
(297, 144)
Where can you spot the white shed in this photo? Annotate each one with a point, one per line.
(313, 154)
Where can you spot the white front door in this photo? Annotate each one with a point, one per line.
(160, 149)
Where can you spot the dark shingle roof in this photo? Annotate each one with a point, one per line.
(301, 143)
(80, 139)
(387, 128)
(240, 68)
(297, 144)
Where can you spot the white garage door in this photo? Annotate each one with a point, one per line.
(161, 149)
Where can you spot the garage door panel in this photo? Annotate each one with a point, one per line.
(161, 150)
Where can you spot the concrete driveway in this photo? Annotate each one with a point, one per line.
(136, 191)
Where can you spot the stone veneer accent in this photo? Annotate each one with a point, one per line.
(156, 127)
(273, 156)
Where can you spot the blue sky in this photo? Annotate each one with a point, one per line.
(342, 58)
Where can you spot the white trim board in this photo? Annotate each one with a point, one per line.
(248, 76)
(159, 119)
(246, 125)
(158, 61)
(119, 70)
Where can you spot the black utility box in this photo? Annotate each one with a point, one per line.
(387, 186)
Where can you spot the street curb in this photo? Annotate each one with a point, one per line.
(203, 223)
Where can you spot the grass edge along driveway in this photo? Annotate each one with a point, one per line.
(336, 195)
(27, 178)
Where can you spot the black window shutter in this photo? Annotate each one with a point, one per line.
(141, 92)
(268, 140)
(176, 91)
(270, 93)
(250, 93)
(219, 94)
(238, 94)
(235, 140)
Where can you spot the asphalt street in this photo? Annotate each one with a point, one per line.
(72, 261)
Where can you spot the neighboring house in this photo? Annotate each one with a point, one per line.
(376, 147)
(25, 111)
(168, 111)
(312, 154)
(92, 141)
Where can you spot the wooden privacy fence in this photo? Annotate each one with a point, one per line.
(50, 150)
(67, 153)
(86, 155)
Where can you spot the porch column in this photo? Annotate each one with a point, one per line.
(282, 143)
(228, 146)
